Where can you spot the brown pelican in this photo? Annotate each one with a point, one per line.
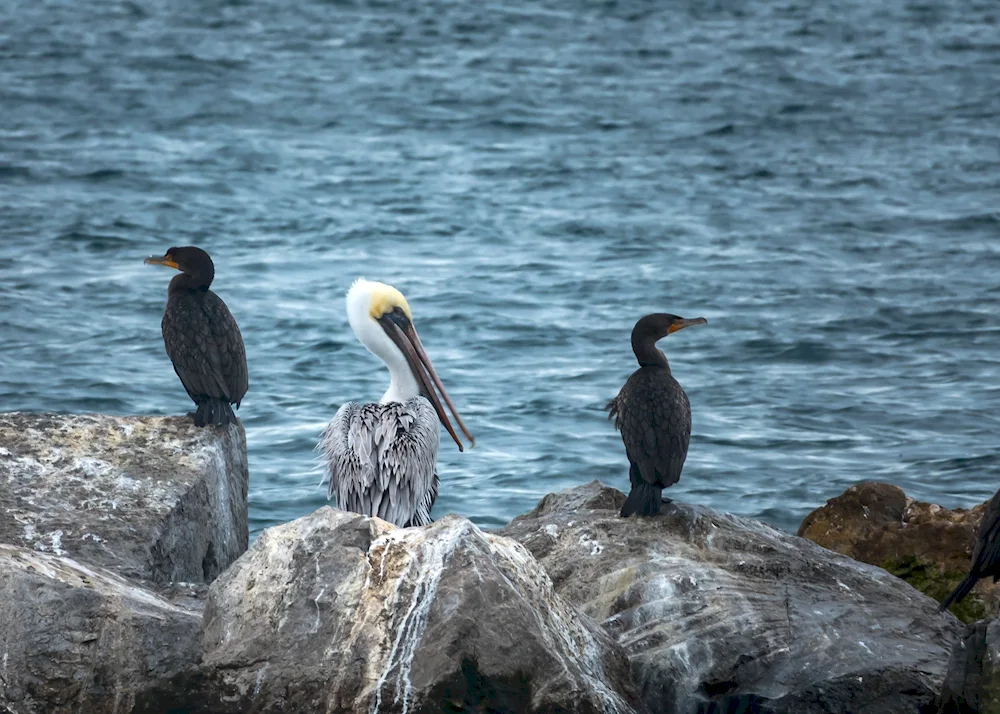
(985, 556)
(654, 416)
(382, 456)
(202, 338)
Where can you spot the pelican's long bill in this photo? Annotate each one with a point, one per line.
(402, 332)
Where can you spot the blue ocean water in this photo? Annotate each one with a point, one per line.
(819, 180)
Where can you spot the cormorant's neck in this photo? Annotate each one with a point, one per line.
(184, 283)
(647, 354)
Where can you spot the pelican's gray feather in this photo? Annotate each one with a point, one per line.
(381, 459)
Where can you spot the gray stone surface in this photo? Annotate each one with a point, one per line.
(82, 640)
(972, 685)
(147, 497)
(335, 612)
(717, 611)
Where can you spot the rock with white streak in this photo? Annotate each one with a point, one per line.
(335, 612)
(81, 640)
(151, 498)
(718, 612)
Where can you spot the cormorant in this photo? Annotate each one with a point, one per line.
(985, 556)
(382, 456)
(654, 416)
(202, 338)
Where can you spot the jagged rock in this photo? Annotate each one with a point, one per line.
(928, 546)
(719, 613)
(83, 640)
(335, 612)
(972, 684)
(148, 497)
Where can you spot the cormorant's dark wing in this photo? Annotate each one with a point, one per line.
(232, 354)
(192, 343)
(654, 416)
(986, 556)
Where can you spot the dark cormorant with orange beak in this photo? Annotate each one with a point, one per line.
(654, 416)
(202, 338)
(985, 556)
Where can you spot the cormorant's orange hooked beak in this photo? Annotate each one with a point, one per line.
(681, 324)
(165, 260)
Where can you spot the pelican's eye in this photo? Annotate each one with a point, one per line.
(398, 316)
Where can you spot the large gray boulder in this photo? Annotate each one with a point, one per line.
(335, 612)
(83, 640)
(717, 612)
(151, 498)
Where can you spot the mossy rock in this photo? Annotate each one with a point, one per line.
(929, 579)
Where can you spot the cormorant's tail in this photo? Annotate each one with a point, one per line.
(644, 499)
(960, 592)
(214, 412)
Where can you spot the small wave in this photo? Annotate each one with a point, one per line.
(724, 130)
(101, 175)
(13, 171)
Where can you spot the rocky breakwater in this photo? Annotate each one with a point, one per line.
(718, 613)
(570, 608)
(925, 544)
(110, 527)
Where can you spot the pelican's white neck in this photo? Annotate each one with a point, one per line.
(403, 385)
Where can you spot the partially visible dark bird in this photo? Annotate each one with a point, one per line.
(202, 338)
(985, 556)
(654, 416)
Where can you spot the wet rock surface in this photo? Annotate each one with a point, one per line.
(81, 639)
(151, 498)
(928, 546)
(337, 612)
(719, 613)
(972, 684)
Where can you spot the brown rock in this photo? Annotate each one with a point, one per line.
(928, 546)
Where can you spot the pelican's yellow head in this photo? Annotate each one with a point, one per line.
(384, 298)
